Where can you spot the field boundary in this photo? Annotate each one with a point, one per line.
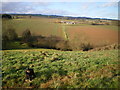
(65, 34)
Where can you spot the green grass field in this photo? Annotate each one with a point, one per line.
(61, 69)
(40, 26)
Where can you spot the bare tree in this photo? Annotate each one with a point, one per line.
(26, 35)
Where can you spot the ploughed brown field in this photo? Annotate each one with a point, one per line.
(97, 35)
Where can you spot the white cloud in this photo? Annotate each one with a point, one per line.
(109, 4)
(31, 8)
(86, 5)
(54, 12)
(114, 0)
(41, 3)
(13, 7)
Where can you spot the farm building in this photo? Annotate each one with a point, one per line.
(67, 22)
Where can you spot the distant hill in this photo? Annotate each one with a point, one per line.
(58, 16)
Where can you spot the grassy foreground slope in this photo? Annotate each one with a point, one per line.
(59, 69)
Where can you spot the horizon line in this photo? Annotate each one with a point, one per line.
(65, 16)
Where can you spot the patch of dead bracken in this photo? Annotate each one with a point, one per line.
(108, 47)
(63, 80)
(106, 71)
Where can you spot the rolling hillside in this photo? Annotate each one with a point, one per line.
(60, 69)
(95, 34)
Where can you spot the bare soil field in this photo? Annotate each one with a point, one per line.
(93, 34)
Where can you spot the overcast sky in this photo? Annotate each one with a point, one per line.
(84, 9)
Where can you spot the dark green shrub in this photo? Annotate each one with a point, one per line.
(86, 46)
(6, 16)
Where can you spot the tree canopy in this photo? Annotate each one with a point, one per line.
(6, 16)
